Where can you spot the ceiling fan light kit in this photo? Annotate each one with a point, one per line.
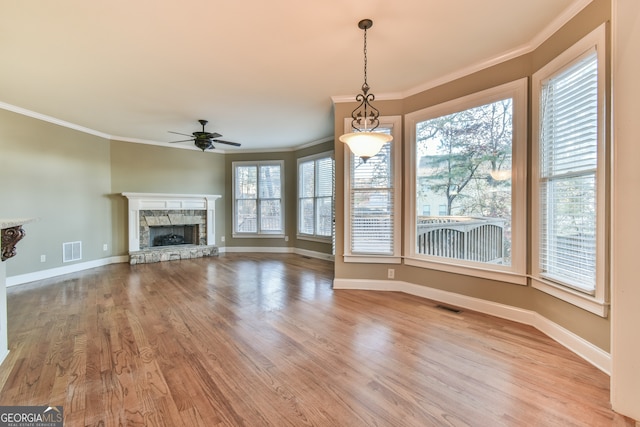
(363, 141)
(204, 140)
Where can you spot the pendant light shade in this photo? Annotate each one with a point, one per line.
(365, 144)
(363, 141)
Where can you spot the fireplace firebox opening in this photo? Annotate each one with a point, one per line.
(172, 235)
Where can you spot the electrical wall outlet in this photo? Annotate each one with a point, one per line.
(286, 238)
(43, 258)
(105, 247)
(222, 239)
(391, 273)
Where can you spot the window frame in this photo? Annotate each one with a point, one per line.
(314, 158)
(259, 232)
(596, 302)
(516, 272)
(394, 123)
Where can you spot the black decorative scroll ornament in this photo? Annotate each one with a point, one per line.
(10, 238)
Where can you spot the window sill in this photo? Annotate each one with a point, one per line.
(471, 270)
(579, 299)
(373, 259)
(313, 238)
(257, 236)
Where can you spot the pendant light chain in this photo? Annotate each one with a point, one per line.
(364, 142)
(365, 59)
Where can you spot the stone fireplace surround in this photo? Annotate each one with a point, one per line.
(150, 209)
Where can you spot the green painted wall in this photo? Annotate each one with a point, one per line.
(62, 177)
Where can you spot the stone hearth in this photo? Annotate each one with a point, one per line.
(171, 253)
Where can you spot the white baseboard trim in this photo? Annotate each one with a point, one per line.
(280, 250)
(256, 249)
(3, 355)
(583, 348)
(59, 271)
(314, 254)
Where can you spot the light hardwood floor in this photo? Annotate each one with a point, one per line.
(263, 340)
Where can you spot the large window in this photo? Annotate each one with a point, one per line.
(258, 198)
(372, 205)
(467, 157)
(569, 184)
(315, 197)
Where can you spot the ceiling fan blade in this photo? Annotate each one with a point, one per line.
(178, 133)
(182, 140)
(235, 144)
(213, 135)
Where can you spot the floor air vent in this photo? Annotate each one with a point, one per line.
(71, 251)
(451, 309)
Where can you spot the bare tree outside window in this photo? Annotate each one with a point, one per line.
(464, 164)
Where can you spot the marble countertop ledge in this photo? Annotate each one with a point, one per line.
(14, 222)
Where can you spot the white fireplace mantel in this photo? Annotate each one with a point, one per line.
(161, 201)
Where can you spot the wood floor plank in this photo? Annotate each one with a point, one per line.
(264, 340)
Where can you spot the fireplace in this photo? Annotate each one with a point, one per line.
(165, 227)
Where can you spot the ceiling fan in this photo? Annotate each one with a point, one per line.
(204, 140)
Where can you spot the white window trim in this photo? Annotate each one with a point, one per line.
(395, 123)
(598, 302)
(516, 272)
(259, 234)
(303, 236)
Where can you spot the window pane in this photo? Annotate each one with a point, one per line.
(464, 163)
(246, 182)
(324, 215)
(372, 222)
(306, 218)
(246, 216)
(325, 177)
(569, 114)
(375, 172)
(307, 183)
(568, 241)
(270, 183)
(270, 215)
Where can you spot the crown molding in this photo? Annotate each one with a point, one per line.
(52, 120)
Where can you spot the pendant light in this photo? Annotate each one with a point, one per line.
(364, 142)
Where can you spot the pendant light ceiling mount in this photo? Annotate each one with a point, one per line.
(365, 24)
(364, 142)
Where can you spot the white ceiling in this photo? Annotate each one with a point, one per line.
(262, 72)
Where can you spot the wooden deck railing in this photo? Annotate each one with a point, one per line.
(469, 238)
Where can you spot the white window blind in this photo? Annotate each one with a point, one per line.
(324, 193)
(568, 156)
(270, 190)
(372, 203)
(306, 193)
(246, 205)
